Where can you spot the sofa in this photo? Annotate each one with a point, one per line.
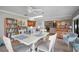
(1, 41)
(69, 38)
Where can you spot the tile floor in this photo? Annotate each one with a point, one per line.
(60, 46)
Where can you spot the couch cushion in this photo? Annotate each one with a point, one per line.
(1, 41)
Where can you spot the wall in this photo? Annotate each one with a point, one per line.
(76, 13)
(1, 26)
(6, 15)
(40, 23)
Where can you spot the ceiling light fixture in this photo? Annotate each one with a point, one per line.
(32, 18)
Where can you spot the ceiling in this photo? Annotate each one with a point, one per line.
(49, 12)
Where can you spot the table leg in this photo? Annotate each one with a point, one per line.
(33, 47)
(68, 45)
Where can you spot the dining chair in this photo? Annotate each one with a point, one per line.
(48, 45)
(18, 48)
(8, 44)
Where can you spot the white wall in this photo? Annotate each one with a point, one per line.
(40, 23)
(3, 14)
(6, 15)
(1, 26)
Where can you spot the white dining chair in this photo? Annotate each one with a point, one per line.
(47, 46)
(8, 44)
(18, 48)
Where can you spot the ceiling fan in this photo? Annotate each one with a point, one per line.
(37, 12)
(33, 9)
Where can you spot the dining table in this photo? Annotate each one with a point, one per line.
(30, 39)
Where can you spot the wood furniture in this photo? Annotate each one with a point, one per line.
(59, 26)
(12, 26)
(62, 28)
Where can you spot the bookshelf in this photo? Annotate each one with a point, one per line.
(12, 26)
(62, 28)
(58, 26)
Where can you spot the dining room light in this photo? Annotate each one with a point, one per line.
(32, 18)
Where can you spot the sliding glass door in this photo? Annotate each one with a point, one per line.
(76, 26)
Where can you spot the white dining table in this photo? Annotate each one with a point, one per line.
(29, 39)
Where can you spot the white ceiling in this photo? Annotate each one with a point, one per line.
(49, 12)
